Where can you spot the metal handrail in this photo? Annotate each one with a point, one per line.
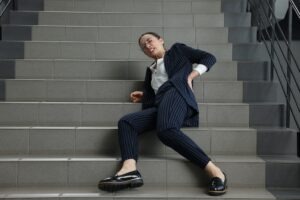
(270, 23)
(286, 59)
(282, 34)
(277, 42)
(280, 80)
(281, 84)
(6, 6)
(296, 9)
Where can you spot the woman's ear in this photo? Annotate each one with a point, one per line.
(161, 41)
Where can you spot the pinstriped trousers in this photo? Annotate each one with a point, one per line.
(167, 118)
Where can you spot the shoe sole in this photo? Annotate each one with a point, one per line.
(115, 186)
(217, 193)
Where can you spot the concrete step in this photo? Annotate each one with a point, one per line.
(87, 171)
(70, 141)
(252, 52)
(234, 5)
(118, 51)
(120, 70)
(107, 114)
(130, 19)
(187, 6)
(282, 171)
(101, 90)
(285, 193)
(157, 6)
(276, 142)
(253, 70)
(128, 34)
(129, 5)
(145, 192)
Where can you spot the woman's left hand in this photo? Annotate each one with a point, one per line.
(190, 83)
(194, 74)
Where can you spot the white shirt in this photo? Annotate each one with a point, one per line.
(160, 76)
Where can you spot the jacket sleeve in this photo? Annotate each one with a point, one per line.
(148, 99)
(198, 56)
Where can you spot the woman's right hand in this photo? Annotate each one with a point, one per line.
(136, 96)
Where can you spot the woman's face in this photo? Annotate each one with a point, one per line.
(152, 46)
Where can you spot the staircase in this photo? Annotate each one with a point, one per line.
(67, 68)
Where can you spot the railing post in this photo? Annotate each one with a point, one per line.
(248, 6)
(14, 5)
(289, 59)
(298, 143)
(272, 38)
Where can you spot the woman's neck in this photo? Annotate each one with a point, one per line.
(160, 55)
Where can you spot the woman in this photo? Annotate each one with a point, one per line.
(168, 103)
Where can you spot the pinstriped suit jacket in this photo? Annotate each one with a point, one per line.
(178, 60)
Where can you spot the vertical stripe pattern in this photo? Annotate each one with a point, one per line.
(130, 126)
(167, 118)
(172, 111)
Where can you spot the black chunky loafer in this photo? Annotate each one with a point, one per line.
(217, 186)
(115, 183)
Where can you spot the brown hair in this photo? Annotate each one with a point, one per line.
(150, 33)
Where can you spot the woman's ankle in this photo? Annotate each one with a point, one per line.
(214, 171)
(128, 166)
